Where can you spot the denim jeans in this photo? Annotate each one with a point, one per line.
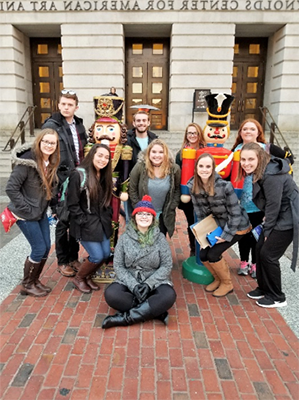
(38, 235)
(97, 251)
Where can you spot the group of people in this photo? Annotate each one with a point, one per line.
(142, 289)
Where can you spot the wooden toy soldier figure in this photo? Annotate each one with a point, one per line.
(110, 130)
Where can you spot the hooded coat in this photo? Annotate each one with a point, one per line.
(25, 187)
(276, 194)
(139, 187)
(134, 263)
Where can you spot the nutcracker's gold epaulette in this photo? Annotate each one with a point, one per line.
(127, 153)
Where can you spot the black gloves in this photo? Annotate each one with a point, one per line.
(141, 291)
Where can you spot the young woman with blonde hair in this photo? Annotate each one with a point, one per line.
(156, 175)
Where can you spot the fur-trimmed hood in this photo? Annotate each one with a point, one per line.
(24, 156)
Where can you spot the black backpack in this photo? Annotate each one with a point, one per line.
(62, 211)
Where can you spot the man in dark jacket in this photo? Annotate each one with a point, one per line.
(138, 138)
(72, 139)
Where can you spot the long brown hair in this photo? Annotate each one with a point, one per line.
(48, 175)
(100, 190)
(165, 164)
(263, 160)
(260, 137)
(198, 185)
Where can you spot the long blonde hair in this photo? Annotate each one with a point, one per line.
(48, 176)
(165, 167)
(198, 185)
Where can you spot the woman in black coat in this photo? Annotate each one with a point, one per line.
(276, 194)
(30, 188)
(89, 196)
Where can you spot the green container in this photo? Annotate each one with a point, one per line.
(196, 273)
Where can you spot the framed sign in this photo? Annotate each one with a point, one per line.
(199, 102)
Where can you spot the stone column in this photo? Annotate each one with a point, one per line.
(201, 57)
(93, 61)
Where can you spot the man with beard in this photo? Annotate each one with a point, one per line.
(140, 137)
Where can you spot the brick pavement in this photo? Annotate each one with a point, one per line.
(54, 347)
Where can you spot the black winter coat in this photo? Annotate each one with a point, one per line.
(24, 186)
(68, 158)
(88, 225)
(276, 194)
(132, 141)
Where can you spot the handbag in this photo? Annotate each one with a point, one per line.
(7, 219)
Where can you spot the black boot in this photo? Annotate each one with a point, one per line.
(29, 288)
(141, 313)
(163, 318)
(37, 281)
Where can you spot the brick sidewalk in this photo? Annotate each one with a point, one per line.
(228, 348)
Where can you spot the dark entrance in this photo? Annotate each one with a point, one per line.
(47, 77)
(147, 76)
(248, 79)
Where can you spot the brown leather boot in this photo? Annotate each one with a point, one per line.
(85, 271)
(222, 270)
(28, 283)
(38, 282)
(215, 284)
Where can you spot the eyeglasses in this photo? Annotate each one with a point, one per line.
(144, 214)
(68, 91)
(192, 133)
(49, 144)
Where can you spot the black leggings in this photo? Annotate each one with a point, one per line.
(214, 254)
(248, 241)
(120, 298)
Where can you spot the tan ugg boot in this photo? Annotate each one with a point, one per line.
(215, 284)
(222, 271)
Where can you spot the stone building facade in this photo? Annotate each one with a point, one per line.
(167, 53)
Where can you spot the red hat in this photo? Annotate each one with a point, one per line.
(145, 205)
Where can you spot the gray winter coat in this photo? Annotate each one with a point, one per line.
(139, 187)
(134, 264)
(224, 206)
(24, 186)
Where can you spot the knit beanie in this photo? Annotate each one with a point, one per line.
(145, 205)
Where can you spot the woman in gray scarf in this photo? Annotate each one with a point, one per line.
(142, 262)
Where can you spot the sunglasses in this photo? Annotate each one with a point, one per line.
(68, 91)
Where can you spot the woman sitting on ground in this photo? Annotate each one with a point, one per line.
(90, 212)
(212, 195)
(142, 263)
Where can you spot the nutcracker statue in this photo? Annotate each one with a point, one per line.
(216, 132)
(110, 130)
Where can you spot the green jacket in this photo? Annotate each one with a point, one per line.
(139, 187)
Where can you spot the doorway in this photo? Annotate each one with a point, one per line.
(248, 79)
(147, 77)
(47, 77)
